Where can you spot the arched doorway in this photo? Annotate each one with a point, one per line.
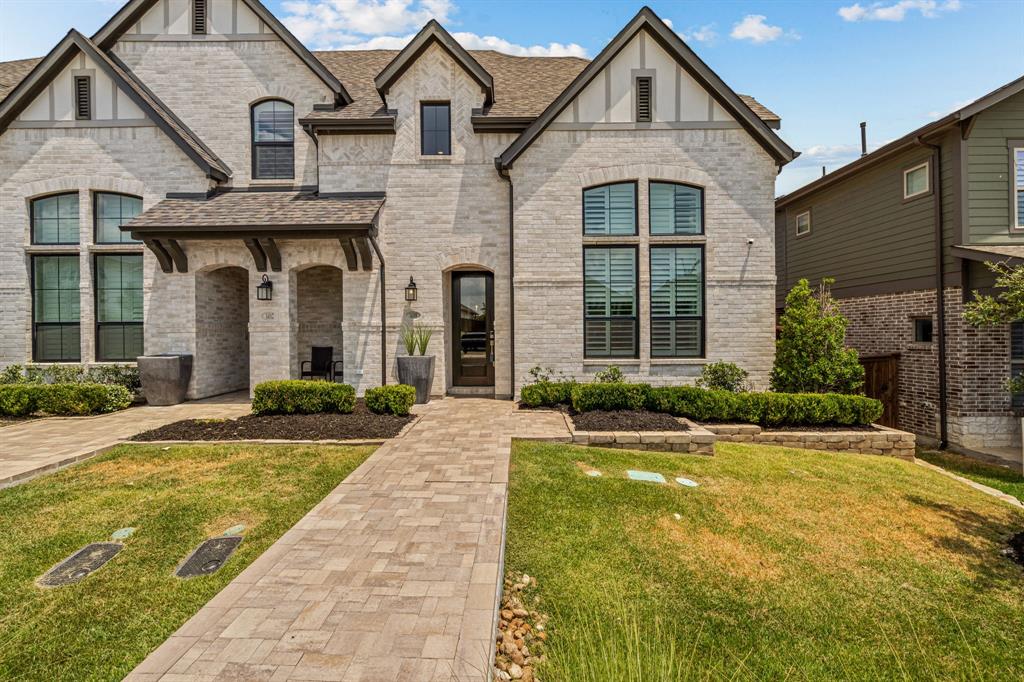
(221, 363)
(318, 313)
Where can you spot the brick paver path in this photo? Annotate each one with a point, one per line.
(393, 576)
(37, 446)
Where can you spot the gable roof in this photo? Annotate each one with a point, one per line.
(962, 117)
(430, 34)
(134, 10)
(60, 56)
(647, 20)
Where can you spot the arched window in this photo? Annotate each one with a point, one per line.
(676, 208)
(110, 212)
(273, 140)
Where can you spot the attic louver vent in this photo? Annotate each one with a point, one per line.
(643, 99)
(83, 98)
(199, 16)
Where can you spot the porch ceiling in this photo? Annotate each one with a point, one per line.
(258, 218)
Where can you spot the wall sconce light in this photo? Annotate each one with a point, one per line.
(265, 290)
(410, 290)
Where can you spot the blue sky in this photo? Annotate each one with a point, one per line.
(823, 66)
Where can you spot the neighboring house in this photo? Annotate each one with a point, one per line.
(573, 214)
(952, 190)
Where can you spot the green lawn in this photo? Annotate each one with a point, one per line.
(783, 564)
(100, 628)
(994, 476)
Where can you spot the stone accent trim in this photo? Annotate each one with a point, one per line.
(881, 441)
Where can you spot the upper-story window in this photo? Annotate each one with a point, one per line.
(610, 210)
(1017, 166)
(436, 129)
(110, 212)
(55, 219)
(200, 16)
(915, 181)
(273, 140)
(676, 209)
(83, 98)
(803, 223)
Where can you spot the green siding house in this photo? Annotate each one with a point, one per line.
(905, 231)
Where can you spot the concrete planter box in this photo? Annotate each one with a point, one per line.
(417, 371)
(165, 378)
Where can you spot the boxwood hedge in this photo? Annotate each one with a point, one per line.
(302, 397)
(395, 399)
(20, 400)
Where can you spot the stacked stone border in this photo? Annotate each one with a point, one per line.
(880, 441)
(701, 439)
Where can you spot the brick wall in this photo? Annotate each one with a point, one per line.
(319, 311)
(221, 363)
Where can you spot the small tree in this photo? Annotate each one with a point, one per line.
(811, 355)
(1005, 307)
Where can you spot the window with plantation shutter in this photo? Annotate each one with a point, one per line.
(610, 302)
(273, 140)
(83, 98)
(676, 209)
(199, 16)
(677, 302)
(643, 99)
(610, 210)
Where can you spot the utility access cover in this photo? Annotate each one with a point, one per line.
(80, 564)
(209, 556)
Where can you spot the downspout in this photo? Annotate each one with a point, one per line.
(940, 294)
(383, 316)
(506, 176)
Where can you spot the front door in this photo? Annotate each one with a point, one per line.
(473, 329)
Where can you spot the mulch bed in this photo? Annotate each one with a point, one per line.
(626, 420)
(360, 424)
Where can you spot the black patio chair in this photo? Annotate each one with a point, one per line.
(322, 366)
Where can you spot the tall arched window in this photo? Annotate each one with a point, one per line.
(273, 140)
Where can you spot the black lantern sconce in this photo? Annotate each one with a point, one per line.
(265, 290)
(410, 290)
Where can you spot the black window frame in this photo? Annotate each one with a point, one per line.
(924, 326)
(1016, 364)
(35, 325)
(636, 209)
(636, 301)
(87, 80)
(650, 207)
(96, 216)
(200, 29)
(703, 317)
(253, 144)
(32, 219)
(650, 99)
(423, 131)
(96, 306)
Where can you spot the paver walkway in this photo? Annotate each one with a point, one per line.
(393, 576)
(42, 445)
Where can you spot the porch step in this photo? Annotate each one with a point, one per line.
(471, 391)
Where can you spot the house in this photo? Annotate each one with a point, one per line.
(192, 179)
(949, 193)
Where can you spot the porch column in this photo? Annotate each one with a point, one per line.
(270, 329)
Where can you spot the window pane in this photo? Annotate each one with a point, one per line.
(119, 307)
(435, 129)
(917, 181)
(677, 291)
(273, 121)
(1018, 155)
(275, 162)
(675, 338)
(55, 303)
(112, 211)
(55, 219)
(610, 210)
(675, 209)
(609, 291)
(610, 338)
(57, 343)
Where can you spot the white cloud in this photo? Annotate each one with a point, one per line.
(390, 25)
(701, 34)
(754, 29)
(897, 11)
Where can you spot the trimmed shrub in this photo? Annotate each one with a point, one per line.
(120, 375)
(397, 399)
(724, 376)
(610, 396)
(74, 399)
(766, 409)
(547, 393)
(302, 397)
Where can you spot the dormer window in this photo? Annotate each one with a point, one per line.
(83, 98)
(273, 140)
(199, 16)
(436, 129)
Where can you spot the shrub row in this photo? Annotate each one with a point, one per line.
(20, 400)
(397, 399)
(120, 375)
(302, 397)
(766, 409)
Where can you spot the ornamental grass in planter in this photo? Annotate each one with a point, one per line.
(417, 370)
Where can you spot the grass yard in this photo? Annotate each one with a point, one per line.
(994, 476)
(103, 626)
(783, 564)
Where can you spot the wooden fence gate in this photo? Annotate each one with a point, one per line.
(881, 381)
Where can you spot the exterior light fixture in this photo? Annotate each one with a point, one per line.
(410, 290)
(265, 290)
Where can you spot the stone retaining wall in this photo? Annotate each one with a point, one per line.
(696, 439)
(881, 441)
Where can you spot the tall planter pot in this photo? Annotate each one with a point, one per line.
(165, 378)
(417, 371)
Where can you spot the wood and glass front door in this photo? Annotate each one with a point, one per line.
(473, 329)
